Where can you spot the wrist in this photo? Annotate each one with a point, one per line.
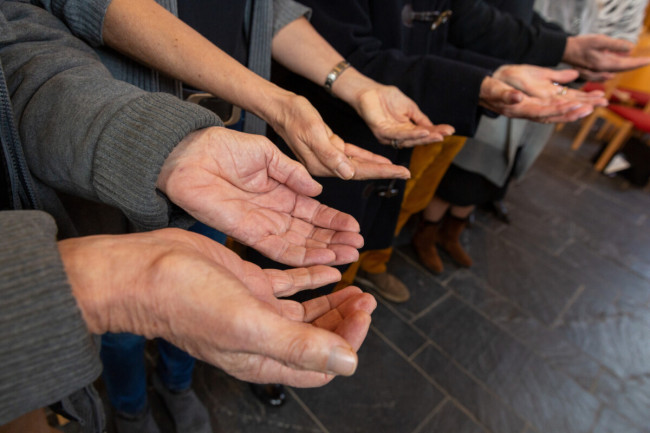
(569, 55)
(272, 106)
(351, 85)
(77, 260)
(486, 89)
(110, 281)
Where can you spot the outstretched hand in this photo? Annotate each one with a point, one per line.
(202, 297)
(391, 115)
(242, 185)
(321, 151)
(545, 83)
(506, 100)
(601, 53)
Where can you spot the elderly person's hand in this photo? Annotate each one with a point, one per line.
(203, 298)
(601, 53)
(242, 185)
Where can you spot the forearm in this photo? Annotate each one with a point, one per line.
(301, 49)
(169, 45)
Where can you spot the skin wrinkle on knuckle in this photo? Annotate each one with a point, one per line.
(298, 352)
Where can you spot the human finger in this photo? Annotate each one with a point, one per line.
(302, 346)
(330, 320)
(290, 281)
(369, 165)
(359, 153)
(535, 108)
(291, 173)
(370, 170)
(317, 307)
(437, 133)
(322, 216)
(354, 328)
(562, 75)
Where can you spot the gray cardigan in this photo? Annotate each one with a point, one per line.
(57, 84)
(89, 135)
(86, 17)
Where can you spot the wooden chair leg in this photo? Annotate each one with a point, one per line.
(587, 124)
(614, 145)
(604, 130)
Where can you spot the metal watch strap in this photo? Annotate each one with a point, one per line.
(334, 74)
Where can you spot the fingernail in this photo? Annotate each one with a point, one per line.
(342, 361)
(423, 134)
(345, 170)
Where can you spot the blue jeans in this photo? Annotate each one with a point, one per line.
(125, 375)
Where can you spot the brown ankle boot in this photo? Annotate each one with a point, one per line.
(449, 236)
(424, 242)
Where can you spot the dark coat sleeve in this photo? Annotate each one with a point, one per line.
(478, 26)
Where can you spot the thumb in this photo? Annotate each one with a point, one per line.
(564, 76)
(305, 347)
(614, 44)
(511, 96)
(293, 174)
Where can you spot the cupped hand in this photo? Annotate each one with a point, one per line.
(504, 99)
(242, 185)
(203, 298)
(594, 76)
(545, 83)
(601, 53)
(323, 152)
(391, 115)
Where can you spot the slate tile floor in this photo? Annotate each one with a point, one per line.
(549, 332)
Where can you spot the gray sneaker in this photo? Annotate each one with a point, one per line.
(141, 423)
(185, 408)
(386, 285)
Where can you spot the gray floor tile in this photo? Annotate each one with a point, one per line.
(532, 279)
(530, 386)
(549, 343)
(425, 288)
(611, 422)
(486, 407)
(386, 394)
(234, 408)
(449, 418)
(629, 397)
(403, 335)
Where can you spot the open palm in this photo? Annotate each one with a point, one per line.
(242, 185)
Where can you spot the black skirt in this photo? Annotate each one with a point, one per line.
(465, 188)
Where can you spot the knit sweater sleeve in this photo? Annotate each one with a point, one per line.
(85, 18)
(85, 133)
(286, 11)
(46, 352)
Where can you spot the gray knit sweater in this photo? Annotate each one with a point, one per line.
(89, 135)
